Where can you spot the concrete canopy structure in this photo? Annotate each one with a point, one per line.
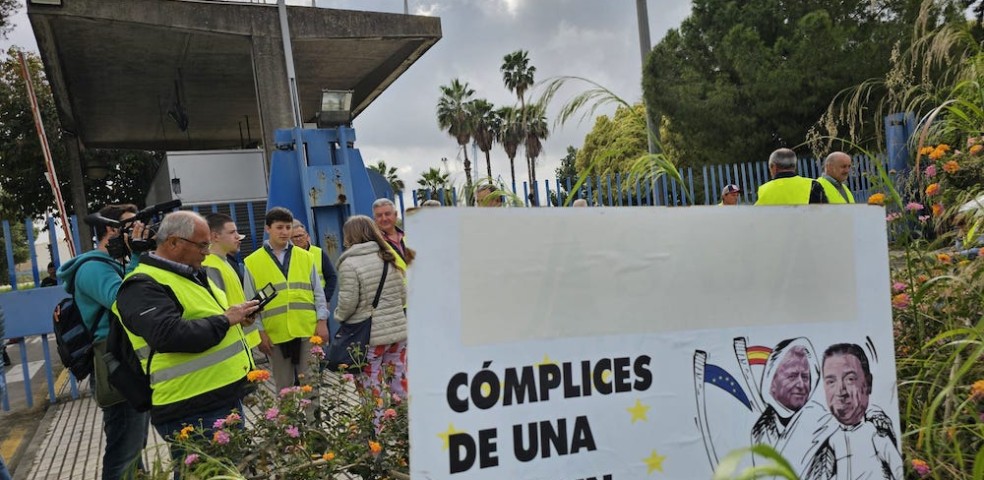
(126, 73)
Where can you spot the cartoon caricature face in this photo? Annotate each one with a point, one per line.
(791, 383)
(846, 388)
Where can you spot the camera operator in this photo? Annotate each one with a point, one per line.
(93, 279)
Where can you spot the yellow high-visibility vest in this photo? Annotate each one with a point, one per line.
(233, 289)
(291, 314)
(785, 191)
(833, 194)
(175, 377)
(316, 253)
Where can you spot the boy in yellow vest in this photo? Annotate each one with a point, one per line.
(298, 311)
(222, 268)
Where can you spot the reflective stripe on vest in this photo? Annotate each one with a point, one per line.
(291, 314)
(175, 377)
(833, 194)
(399, 260)
(785, 191)
(316, 253)
(233, 289)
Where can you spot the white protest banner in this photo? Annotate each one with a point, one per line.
(637, 343)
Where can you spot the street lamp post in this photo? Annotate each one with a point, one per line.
(645, 45)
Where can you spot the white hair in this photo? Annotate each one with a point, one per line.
(383, 201)
(178, 224)
(783, 159)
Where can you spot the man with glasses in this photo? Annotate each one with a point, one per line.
(298, 311)
(185, 332)
(221, 266)
(322, 263)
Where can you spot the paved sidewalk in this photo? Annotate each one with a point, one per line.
(69, 443)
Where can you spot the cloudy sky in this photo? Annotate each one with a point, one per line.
(595, 39)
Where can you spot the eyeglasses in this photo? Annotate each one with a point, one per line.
(203, 246)
(299, 236)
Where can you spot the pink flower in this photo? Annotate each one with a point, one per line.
(389, 413)
(232, 418)
(931, 171)
(397, 399)
(921, 468)
(923, 218)
(219, 423)
(272, 413)
(348, 377)
(221, 437)
(901, 301)
(891, 217)
(317, 352)
(898, 287)
(288, 390)
(292, 432)
(304, 402)
(191, 458)
(914, 206)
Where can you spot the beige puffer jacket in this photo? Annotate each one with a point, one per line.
(359, 269)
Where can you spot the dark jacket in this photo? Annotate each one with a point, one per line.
(152, 311)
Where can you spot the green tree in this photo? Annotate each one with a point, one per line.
(7, 8)
(566, 172)
(510, 134)
(536, 131)
(432, 182)
(454, 116)
(18, 234)
(389, 173)
(518, 76)
(614, 143)
(486, 123)
(25, 190)
(741, 78)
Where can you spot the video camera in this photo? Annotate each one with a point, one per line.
(117, 245)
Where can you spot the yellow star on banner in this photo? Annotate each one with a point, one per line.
(546, 361)
(445, 436)
(638, 411)
(654, 462)
(606, 376)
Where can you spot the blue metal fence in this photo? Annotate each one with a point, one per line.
(701, 186)
(28, 307)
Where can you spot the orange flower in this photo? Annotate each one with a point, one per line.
(876, 199)
(183, 434)
(951, 167)
(976, 391)
(926, 150)
(258, 376)
(937, 209)
(937, 154)
(306, 388)
(944, 258)
(975, 149)
(943, 147)
(316, 340)
(329, 456)
(933, 189)
(922, 278)
(379, 402)
(375, 447)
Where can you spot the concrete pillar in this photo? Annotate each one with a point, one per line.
(272, 89)
(79, 203)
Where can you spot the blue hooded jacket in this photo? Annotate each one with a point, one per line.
(94, 284)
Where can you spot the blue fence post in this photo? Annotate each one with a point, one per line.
(252, 223)
(546, 191)
(712, 193)
(707, 196)
(665, 191)
(744, 182)
(608, 183)
(587, 182)
(29, 230)
(9, 244)
(690, 181)
(638, 192)
(526, 194)
(618, 187)
(76, 236)
(560, 198)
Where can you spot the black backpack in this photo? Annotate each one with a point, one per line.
(125, 371)
(72, 337)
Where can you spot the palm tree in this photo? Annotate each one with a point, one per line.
(510, 135)
(518, 76)
(433, 181)
(454, 116)
(536, 131)
(389, 173)
(486, 124)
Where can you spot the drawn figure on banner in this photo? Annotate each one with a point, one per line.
(825, 434)
(857, 440)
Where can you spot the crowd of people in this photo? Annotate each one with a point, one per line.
(188, 310)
